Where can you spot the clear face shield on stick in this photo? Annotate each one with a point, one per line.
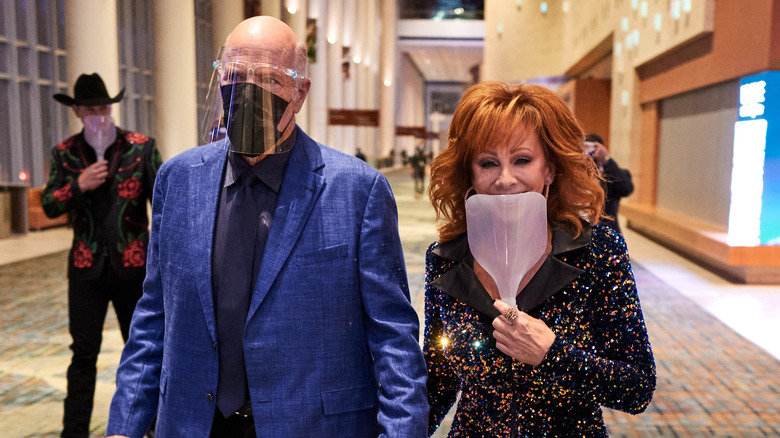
(249, 101)
(100, 133)
(507, 235)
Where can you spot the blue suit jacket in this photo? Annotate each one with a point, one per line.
(331, 340)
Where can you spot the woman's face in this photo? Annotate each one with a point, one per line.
(517, 166)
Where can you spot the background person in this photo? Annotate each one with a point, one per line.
(418, 161)
(103, 177)
(579, 340)
(286, 316)
(616, 181)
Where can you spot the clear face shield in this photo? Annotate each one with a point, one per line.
(249, 101)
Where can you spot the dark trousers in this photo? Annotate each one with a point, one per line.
(235, 426)
(87, 307)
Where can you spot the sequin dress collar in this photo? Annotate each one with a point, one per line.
(462, 283)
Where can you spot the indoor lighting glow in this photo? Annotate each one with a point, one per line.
(332, 40)
(356, 60)
(643, 8)
(543, 7)
(754, 213)
(675, 9)
(24, 176)
(292, 10)
(459, 11)
(565, 6)
(657, 22)
(747, 180)
(686, 5)
(624, 24)
(634, 4)
(388, 82)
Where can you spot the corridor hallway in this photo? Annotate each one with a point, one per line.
(713, 378)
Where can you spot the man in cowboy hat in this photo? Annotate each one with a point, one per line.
(102, 177)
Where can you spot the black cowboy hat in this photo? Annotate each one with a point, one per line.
(89, 91)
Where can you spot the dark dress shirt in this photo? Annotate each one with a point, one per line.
(231, 253)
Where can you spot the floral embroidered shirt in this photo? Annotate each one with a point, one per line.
(110, 223)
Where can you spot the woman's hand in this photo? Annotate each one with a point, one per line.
(524, 338)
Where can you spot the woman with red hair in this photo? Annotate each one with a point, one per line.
(577, 339)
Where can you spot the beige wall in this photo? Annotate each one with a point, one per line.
(576, 38)
(520, 42)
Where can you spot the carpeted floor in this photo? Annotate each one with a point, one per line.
(711, 381)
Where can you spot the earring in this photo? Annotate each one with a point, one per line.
(469, 193)
(546, 191)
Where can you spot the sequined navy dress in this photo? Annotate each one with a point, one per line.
(585, 293)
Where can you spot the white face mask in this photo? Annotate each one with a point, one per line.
(507, 236)
(100, 133)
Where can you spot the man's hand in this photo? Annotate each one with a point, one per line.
(93, 176)
(600, 154)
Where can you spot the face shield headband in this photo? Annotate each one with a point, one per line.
(249, 102)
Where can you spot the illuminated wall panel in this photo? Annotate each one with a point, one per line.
(754, 217)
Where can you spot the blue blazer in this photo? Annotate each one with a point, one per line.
(331, 339)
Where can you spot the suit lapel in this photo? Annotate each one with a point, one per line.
(202, 212)
(300, 190)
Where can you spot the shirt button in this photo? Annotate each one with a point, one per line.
(209, 397)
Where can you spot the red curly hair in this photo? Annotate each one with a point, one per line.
(487, 115)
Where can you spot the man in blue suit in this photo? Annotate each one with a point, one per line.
(275, 302)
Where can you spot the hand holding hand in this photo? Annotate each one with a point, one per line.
(524, 338)
(93, 176)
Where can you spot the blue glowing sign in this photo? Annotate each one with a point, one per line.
(754, 217)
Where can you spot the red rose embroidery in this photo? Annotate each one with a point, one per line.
(130, 188)
(82, 256)
(64, 194)
(66, 144)
(134, 254)
(135, 137)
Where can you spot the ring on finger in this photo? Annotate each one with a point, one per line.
(510, 314)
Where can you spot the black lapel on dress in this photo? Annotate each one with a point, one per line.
(461, 282)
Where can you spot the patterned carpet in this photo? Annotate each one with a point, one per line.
(34, 350)
(711, 381)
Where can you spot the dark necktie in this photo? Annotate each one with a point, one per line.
(235, 290)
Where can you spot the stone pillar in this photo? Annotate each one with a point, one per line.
(317, 101)
(175, 76)
(93, 47)
(294, 14)
(225, 14)
(387, 76)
